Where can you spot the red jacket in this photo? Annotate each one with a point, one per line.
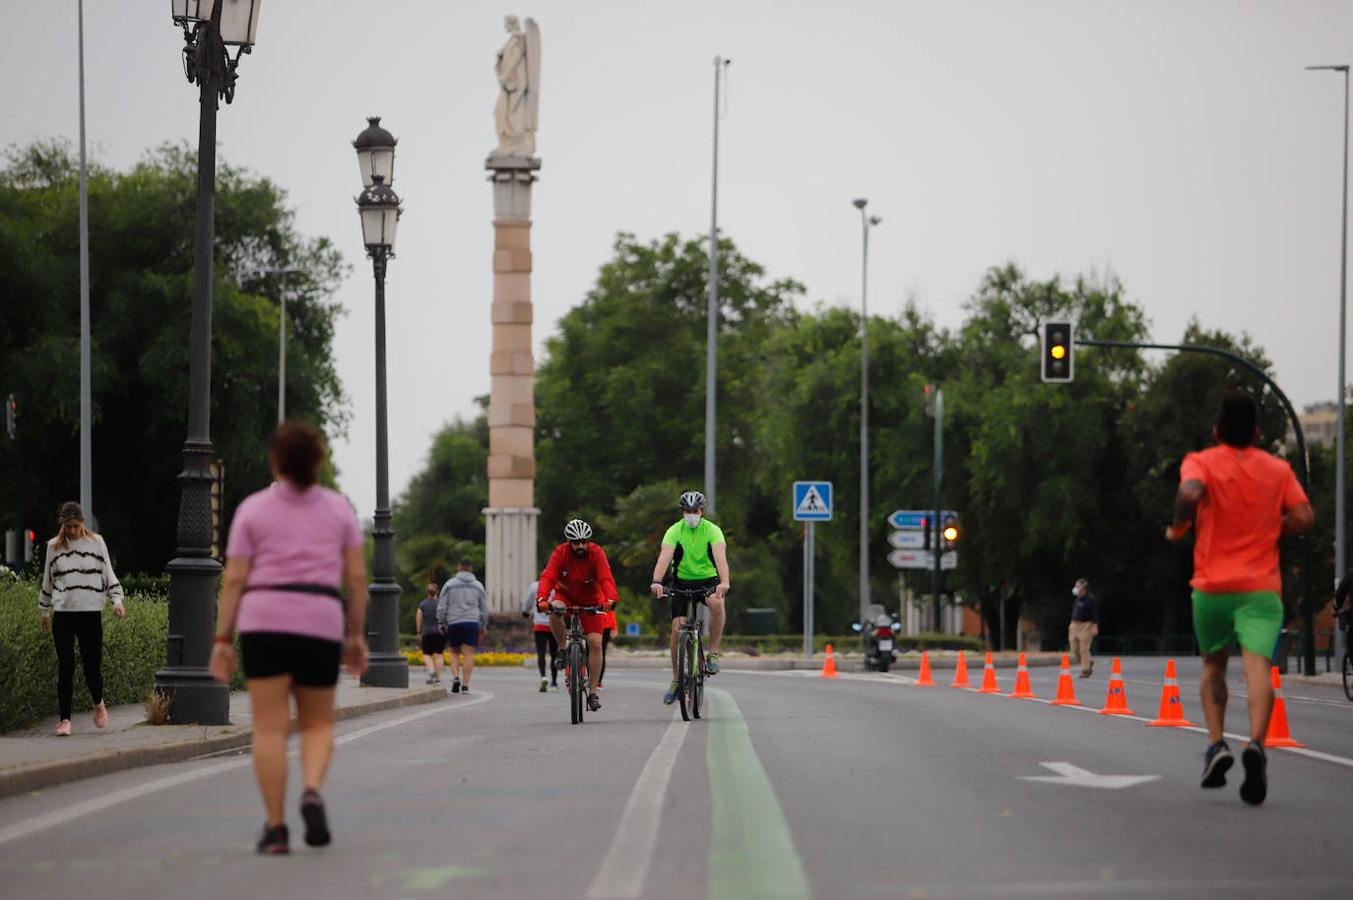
(578, 582)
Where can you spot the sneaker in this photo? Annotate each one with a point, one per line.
(431, 680)
(712, 663)
(101, 715)
(63, 730)
(465, 689)
(544, 685)
(555, 685)
(1254, 788)
(593, 702)
(455, 686)
(316, 820)
(670, 697)
(1215, 764)
(275, 841)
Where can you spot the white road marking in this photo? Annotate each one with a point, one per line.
(1069, 774)
(625, 868)
(78, 810)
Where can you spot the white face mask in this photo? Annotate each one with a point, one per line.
(692, 520)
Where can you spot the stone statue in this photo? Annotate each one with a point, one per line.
(518, 71)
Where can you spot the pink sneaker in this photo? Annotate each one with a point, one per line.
(100, 715)
(63, 730)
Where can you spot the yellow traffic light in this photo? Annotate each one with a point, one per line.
(951, 533)
(1058, 352)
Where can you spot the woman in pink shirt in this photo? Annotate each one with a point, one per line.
(292, 545)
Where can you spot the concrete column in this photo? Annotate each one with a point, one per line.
(511, 516)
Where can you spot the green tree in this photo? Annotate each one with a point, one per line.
(141, 228)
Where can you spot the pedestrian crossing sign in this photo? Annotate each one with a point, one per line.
(812, 501)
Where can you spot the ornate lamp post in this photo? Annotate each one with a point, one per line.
(378, 206)
(210, 29)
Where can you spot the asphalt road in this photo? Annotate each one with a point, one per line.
(794, 786)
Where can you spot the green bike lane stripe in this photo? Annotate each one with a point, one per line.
(751, 851)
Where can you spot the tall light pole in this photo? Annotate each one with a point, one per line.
(378, 206)
(866, 222)
(712, 315)
(86, 403)
(1340, 565)
(281, 336)
(209, 30)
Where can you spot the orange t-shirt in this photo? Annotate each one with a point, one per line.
(1240, 517)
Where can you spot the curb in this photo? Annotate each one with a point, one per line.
(843, 664)
(43, 775)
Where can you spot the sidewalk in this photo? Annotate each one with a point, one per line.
(34, 758)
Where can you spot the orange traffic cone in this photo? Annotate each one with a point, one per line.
(1066, 688)
(1171, 709)
(989, 685)
(829, 667)
(1022, 690)
(1278, 735)
(961, 673)
(1115, 703)
(924, 680)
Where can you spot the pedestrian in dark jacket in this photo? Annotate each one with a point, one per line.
(1084, 625)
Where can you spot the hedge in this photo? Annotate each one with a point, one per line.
(133, 650)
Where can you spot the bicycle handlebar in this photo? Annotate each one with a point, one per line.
(689, 592)
(551, 608)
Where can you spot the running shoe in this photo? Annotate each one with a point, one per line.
(465, 689)
(431, 680)
(712, 663)
(316, 820)
(63, 730)
(544, 685)
(455, 686)
(275, 841)
(1215, 763)
(101, 715)
(1254, 788)
(670, 697)
(593, 702)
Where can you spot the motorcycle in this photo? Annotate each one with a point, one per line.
(878, 633)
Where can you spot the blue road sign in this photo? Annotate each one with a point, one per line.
(905, 519)
(812, 501)
(632, 629)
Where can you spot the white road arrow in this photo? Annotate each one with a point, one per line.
(1069, 774)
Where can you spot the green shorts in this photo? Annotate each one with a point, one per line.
(1252, 618)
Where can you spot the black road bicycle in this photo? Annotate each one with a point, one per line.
(575, 657)
(690, 652)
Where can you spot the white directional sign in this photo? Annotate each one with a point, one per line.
(812, 501)
(1069, 774)
(907, 540)
(922, 559)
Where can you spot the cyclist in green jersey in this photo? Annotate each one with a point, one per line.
(702, 563)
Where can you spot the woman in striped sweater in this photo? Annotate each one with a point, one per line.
(77, 580)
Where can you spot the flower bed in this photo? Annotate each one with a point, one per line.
(489, 658)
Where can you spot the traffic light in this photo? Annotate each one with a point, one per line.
(949, 533)
(929, 392)
(28, 538)
(11, 415)
(1058, 352)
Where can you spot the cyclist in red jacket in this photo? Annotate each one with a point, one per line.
(580, 575)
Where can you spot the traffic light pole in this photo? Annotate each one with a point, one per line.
(937, 541)
(1303, 472)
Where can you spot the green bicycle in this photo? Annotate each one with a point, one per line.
(690, 652)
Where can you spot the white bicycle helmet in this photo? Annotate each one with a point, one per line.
(692, 500)
(577, 530)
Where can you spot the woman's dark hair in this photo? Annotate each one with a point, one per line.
(1237, 419)
(297, 450)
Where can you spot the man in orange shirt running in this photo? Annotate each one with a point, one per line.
(1238, 500)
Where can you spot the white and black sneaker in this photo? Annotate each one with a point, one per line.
(1215, 764)
(1254, 788)
(455, 686)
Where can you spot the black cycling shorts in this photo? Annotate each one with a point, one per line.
(310, 661)
(679, 603)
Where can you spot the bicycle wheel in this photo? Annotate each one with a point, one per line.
(1348, 675)
(684, 656)
(698, 679)
(576, 697)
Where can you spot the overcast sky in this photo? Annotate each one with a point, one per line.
(1179, 144)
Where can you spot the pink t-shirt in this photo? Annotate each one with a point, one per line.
(293, 536)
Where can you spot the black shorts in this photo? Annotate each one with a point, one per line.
(679, 603)
(433, 643)
(310, 661)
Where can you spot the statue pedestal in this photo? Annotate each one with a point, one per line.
(510, 527)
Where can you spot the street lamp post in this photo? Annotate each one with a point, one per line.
(378, 206)
(209, 30)
(866, 222)
(1340, 564)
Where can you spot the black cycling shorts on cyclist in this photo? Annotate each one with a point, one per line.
(701, 554)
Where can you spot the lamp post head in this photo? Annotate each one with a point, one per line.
(379, 209)
(859, 202)
(874, 220)
(1331, 68)
(375, 152)
(238, 19)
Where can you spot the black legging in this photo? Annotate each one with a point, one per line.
(605, 642)
(88, 627)
(545, 639)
